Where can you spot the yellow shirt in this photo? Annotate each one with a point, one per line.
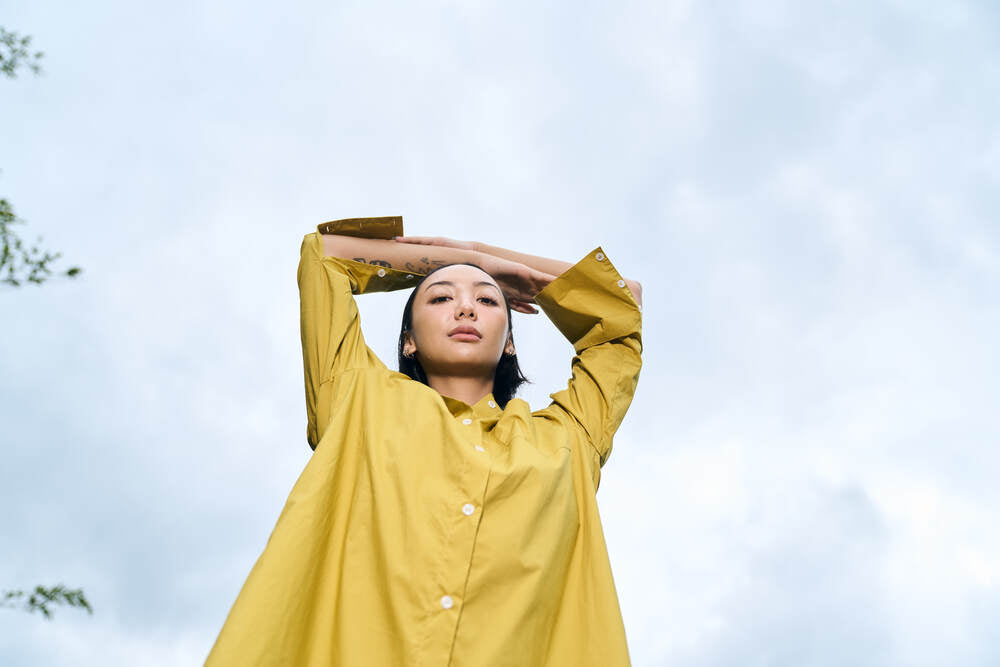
(426, 531)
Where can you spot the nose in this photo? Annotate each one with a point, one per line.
(465, 307)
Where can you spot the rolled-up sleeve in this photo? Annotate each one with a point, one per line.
(332, 340)
(591, 305)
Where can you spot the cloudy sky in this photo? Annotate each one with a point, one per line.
(808, 473)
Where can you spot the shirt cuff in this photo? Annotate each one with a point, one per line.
(368, 228)
(365, 278)
(590, 302)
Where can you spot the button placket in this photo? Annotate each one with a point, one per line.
(464, 512)
(462, 537)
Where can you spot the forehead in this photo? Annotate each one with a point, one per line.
(462, 275)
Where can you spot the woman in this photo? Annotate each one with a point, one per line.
(440, 521)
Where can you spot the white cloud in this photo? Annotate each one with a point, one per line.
(807, 474)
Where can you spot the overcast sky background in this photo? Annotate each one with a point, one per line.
(809, 194)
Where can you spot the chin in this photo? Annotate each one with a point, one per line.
(463, 366)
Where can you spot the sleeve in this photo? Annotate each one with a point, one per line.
(330, 326)
(592, 306)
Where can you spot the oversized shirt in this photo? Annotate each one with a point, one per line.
(424, 531)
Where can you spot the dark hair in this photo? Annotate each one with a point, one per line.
(507, 377)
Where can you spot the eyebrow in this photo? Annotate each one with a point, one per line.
(477, 284)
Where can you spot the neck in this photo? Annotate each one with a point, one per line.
(466, 389)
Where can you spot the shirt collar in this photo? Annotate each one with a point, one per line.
(486, 409)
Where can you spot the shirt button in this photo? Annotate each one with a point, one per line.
(599, 257)
(479, 448)
(381, 272)
(409, 276)
(621, 283)
(466, 421)
(492, 404)
(468, 509)
(447, 602)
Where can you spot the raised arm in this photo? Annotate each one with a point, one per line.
(554, 267)
(591, 307)
(519, 282)
(394, 255)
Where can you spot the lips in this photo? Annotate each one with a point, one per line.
(465, 331)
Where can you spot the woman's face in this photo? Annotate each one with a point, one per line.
(454, 298)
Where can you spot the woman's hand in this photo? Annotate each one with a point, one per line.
(438, 241)
(519, 282)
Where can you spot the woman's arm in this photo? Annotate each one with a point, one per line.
(519, 282)
(554, 267)
(394, 255)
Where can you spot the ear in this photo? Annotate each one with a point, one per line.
(409, 346)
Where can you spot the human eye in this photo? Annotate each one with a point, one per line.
(438, 298)
(488, 299)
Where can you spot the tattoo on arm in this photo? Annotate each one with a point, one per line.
(425, 265)
(377, 262)
(434, 262)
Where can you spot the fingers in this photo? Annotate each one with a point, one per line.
(435, 240)
(523, 307)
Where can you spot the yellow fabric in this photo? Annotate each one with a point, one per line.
(411, 496)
